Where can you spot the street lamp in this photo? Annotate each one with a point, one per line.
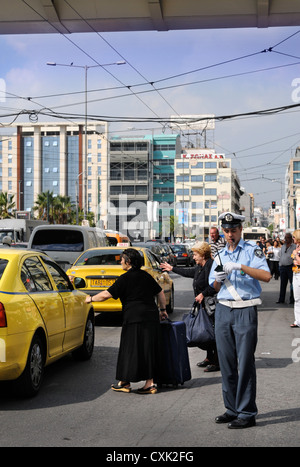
(86, 68)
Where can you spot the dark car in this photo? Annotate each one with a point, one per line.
(156, 249)
(182, 254)
(167, 254)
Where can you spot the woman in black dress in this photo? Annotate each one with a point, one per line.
(140, 345)
(202, 289)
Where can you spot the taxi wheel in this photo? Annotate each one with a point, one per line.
(29, 383)
(86, 350)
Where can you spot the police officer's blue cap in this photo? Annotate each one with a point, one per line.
(230, 220)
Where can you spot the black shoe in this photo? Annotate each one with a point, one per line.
(242, 423)
(225, 418)
(204, 363)
(279, 301)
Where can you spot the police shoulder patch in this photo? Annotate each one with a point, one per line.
(258, 252)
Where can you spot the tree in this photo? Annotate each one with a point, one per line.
(7, 205)
(62, 210)
(42, 205)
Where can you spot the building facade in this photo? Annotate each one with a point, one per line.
(37, 158)
(292, 191)
(206, 186)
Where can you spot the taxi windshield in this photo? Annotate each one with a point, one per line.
(100, 258)
(108, 257)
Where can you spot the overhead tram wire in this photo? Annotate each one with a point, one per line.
(76, 45)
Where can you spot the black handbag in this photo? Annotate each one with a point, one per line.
(199, 327)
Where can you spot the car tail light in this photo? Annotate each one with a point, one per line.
(3, 323)
(184, 254)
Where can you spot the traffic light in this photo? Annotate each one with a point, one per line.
(273, 204)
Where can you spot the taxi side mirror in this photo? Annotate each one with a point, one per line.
(79, 283)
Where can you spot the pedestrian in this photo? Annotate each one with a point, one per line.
(217, 243)
(202, 289)
(274, 253)
(296, 279)
(235, 275)
(140, 352)
(286, 268)
(267, 253)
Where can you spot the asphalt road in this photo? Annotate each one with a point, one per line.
(76, 406)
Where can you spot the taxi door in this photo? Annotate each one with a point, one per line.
(73, 303)
(48, 302)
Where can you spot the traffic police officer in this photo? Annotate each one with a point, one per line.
(235, 275)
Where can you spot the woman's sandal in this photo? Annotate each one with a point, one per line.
(149, 390)
(121, 387)
(294, 326)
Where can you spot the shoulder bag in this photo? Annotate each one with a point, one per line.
(199, 327)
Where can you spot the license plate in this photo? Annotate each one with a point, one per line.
(102, 282)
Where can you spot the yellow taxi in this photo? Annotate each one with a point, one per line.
(42, 318)
(98, 268)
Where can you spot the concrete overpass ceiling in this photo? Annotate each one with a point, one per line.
(75, 16)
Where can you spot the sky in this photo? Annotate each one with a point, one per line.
(225, 72)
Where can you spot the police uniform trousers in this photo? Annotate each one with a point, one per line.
(236, 339)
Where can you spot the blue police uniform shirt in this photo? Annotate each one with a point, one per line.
(249, 255)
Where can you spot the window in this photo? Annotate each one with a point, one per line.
(210, 191)
(61, 280)
(210, 204)
(211, 177)
(197, 178)
(115, 146)
(181, 192)
(183, 178)
(197, 191)
(58, 240)
(115, 190)
(141, 190)
(141, 146)
(115, 171)
(128, 189)
(142, 171)
(128, 171)
(128, 146)
(182, 165)
(34, 276)
(210, 165)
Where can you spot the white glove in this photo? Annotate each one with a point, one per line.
(229, 267)
(220, 276)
